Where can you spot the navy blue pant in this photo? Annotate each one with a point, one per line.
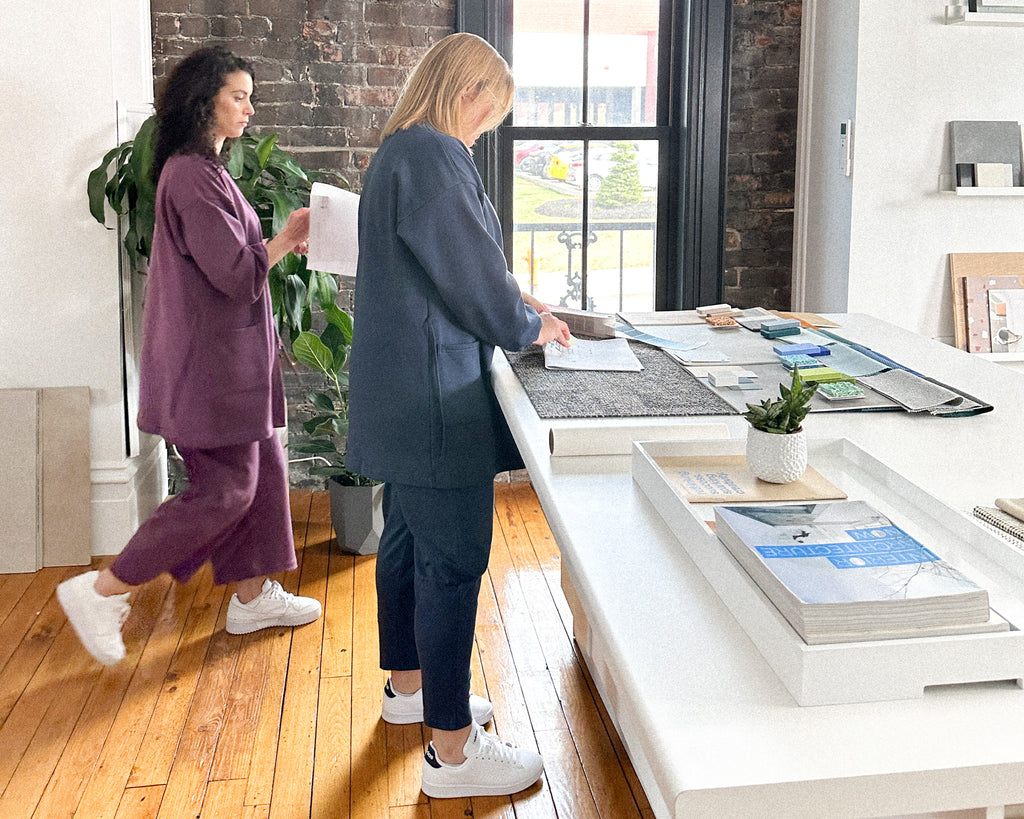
(433, 551)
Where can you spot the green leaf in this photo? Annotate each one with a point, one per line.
(313, 447)
(311, 351)
(264, 148)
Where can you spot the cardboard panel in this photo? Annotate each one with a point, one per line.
(21, 547)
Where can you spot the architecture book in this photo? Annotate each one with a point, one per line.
(841, 571)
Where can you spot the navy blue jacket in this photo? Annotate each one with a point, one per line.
(433, 298)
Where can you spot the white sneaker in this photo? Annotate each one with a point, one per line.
(272, 607)
(96, 619)
(492, 768)
(403, 709)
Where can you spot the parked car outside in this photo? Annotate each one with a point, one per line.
(600, 163)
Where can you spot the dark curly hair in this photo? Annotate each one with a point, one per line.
(184, 114)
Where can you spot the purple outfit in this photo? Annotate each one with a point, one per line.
(210, 383)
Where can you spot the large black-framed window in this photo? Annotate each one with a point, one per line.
(689, 130)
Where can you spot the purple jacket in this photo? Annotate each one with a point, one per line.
(209, 374)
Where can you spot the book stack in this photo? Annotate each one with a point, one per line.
(843, 572)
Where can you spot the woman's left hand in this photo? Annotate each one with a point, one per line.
(302, 248)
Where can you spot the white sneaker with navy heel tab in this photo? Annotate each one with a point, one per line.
(492, 768)
(273, 607)
(405, 709)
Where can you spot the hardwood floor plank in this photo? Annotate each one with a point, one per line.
(369, 746)
(405, 746)
(241, 720)
(293, 774)
(570, 788)
(80, 757)
(140, 803)
(12, 587)
(197, 742)
(67, 669)
(260, 783)
(27, 633)
(337, 649)
(333, 760)
(114, 765)
(156, 754)
(224, 799)
(25, 653)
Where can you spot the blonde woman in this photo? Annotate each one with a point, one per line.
(433, 299)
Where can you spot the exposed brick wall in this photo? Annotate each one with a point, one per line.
(762, 152)
(328, 72)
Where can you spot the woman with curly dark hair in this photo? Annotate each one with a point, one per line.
(210, 380)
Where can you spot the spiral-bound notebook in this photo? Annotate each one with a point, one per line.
(1003, 523)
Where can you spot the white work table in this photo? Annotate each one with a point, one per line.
(709, 727)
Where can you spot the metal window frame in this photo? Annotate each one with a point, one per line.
(695, 43)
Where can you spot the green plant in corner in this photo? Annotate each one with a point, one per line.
(270, 178)
(785, 414)
(328, 428)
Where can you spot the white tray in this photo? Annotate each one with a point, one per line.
(864, 671)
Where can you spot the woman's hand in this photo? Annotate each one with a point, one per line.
(553, 329)
(293, 237)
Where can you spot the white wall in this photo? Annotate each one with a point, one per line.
(61, 296)
(913, 75)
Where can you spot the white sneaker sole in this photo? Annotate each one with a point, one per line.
(289, 622)
(461, 791)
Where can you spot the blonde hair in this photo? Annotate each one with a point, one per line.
(458, 64)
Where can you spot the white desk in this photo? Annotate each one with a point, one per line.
(709, 728)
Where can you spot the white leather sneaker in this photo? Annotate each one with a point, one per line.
(403, 709)
(271, 608)
(492, 768)
(96, 619)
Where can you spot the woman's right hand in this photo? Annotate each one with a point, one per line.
(291, 238)
(553, 329)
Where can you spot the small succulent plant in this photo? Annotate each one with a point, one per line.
(785, 414)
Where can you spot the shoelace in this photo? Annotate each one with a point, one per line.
(495, 749)
(275, 592)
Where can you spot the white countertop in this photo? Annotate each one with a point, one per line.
(708, 725)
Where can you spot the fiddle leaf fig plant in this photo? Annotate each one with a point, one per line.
(328, 427)
(785, 414)
(270, 178)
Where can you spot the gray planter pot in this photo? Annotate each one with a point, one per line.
(357, 517)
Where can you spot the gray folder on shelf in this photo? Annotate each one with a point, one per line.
(986, 141)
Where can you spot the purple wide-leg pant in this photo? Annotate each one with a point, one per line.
(235, 514)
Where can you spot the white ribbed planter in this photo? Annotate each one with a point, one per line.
(776, 458)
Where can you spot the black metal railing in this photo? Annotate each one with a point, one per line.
(571, 237)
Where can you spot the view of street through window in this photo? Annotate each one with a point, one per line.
(578, 64)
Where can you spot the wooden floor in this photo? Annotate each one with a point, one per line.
(286, 723)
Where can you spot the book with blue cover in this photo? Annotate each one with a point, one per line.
(843, 572)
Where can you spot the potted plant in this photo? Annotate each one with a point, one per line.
(776, 441)
(356, 510)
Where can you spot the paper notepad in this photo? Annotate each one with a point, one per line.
(605, 354)
(333, 230)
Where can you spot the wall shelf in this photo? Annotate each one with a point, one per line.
(1014, 191)
(960, 15)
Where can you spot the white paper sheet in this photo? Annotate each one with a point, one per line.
(333, 230)
(584, 354)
